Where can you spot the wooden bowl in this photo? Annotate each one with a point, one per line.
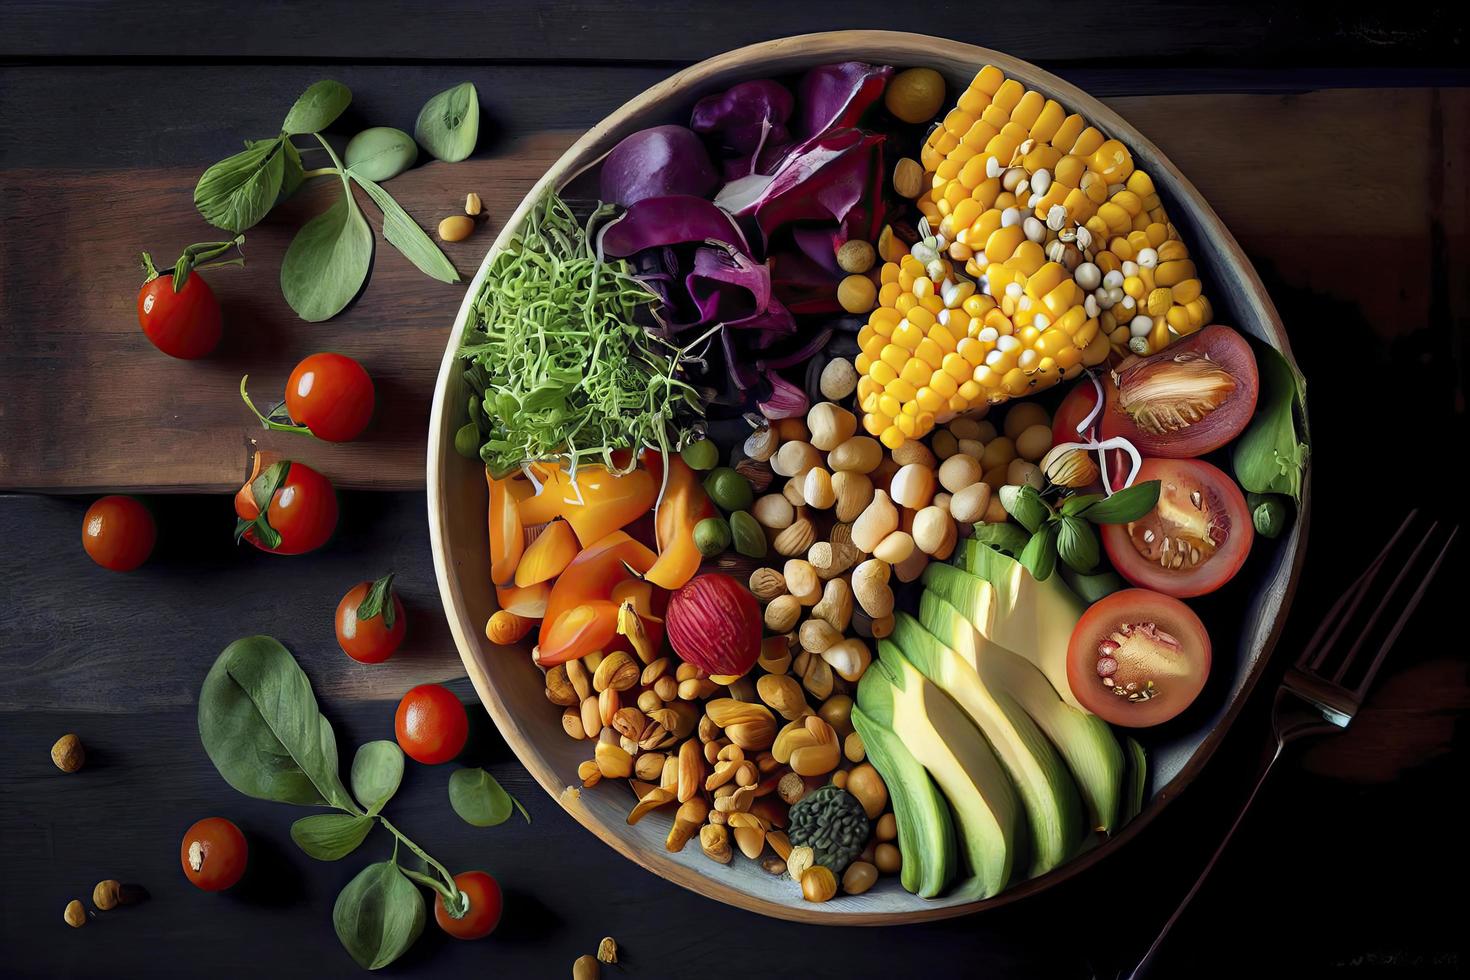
(511, 687)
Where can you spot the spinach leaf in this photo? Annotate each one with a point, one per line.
(1040, 554)
(294, 174)
(380, 153)
(317, 108)
(449, 124)
(1006, 537)
(331, 836)
(237, 192)
(328, 261)
(1077, 544)
(478, 799)
(377, 769)
(406, 236)
(1025, 505)
(1076, 503)
(1272, 454)
(261, 727)
(378, 915)
(1128, 504)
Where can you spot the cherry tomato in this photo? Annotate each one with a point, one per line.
(331, 395)
(184, 324)
(303, 508)
(482, 893)
(1193, 541)
(214, 854)
(118, 533)
(374, 639)
(431, 724)
(1138, 658)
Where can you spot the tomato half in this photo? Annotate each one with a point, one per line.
(303, 508)
(1196, 537)
(373, 639)
(214, 854)
(118, 533)
(184, 324)
(332, 395)
(1138, 658)
(431, 725)
(482, 914)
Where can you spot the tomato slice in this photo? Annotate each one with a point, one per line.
(1193, 541)
(1138, 658)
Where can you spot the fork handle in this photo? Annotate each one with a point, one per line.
(1141, 970)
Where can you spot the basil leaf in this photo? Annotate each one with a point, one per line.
(1025, 505)
(1040, 554)
(449, 124)
(331, 836)
(1006, 537)
(317, 108)
(378, 602)
(237, 192)
(1126, 505)
(404, 234)
(293, 174)
(1079, 502)
(380, 153)
(377, 771)
(1272, 454)
(260, 726)
(1091, 588)
(1077, 544)
(378, 915)
(328, 261)
(478, 798)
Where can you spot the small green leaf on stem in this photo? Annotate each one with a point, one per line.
(377, 771)
(1076, 503)
(328, 261)
(331, 836)
(1040, 554)
(380, 153)
(1126, 505)
(1024, 503)
(1077, 544)
(317, 108)
(1271, 456)
(449, 124)
(378, 915)
(237, 192)
(378, 602)
(478, 799)
(404, 234)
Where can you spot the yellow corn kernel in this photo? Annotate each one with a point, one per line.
(944, 384)
(883, 320)
(866, 335)
(901, 389)
(1079, 206)
(1122, 248)
(1056, 194)
(1045, 279)
(1028, 109)
(1141, 221)
(1071, 321)
(930, 157)
(929, 352)
(929, 400)
(1184, 292)
(906, 337)
(1053, 341)
(1047, 121)
(921, 318)
(1172, 273)
(1087, 143)
(892, 437)
(870, 401)
(1007, 95)
(1158, 337)
(1128, 201)
(888, 405)
(1178, 318)
(889, 293)
(864, 364)
(1069, 171)
(988, 80)
(1171, 250)
(957, 367)
(1140, 183)
(915, 371)
(1027, 258)
(1097, 351)
(874, 424)
(995, 117)
(1002, 243)
(1133, 286)
(905, 303)
(1107, 262)
(1159, 302)
(865, 385)
(883, 372)
(933, 304)
(1138, 241)
(1067, 132)
(1069, 357)
(1112, 161)
(1118, 220)
(975, 138)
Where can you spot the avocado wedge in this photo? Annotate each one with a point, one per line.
(925, 829)
(1048, 796)
(986, 810)
(1085, 742)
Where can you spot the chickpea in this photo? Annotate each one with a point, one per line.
(888, 858)
(915, 95)
(887, 828)
(857, 294)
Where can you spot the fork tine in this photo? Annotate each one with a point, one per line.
(1326, 635)
(1402, 621)
(1384, 601)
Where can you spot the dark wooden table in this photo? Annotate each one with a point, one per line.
(1335, 143)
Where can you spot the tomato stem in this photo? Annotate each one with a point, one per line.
(267, 421)
(453, 899)
(202, 252)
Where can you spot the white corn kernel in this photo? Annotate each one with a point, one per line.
(1088, 276)
(1140, 325)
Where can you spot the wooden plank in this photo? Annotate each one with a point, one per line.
(1257, 32)
(1306, 181)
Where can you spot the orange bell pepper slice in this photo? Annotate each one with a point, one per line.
(685, 504)
(593, 574)
(507, 537)
(578, 631)
(547, 556)
(529, 602)
(599, 503)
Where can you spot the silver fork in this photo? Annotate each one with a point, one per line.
(1315, 696)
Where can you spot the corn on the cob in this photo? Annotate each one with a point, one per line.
(1073, 253)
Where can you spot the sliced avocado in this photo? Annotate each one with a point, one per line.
(1137, 778)
(925, 829)
(986, 810)
(1048, 796)
(1084, 741)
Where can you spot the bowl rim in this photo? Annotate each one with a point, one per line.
(818, 48)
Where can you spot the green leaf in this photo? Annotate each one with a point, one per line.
(1272, 454)
(377, 770)
(380, 153)
(1077, 544)
(237, 192)
(260, 726)
(378, 915)
(262, 490)
(1076, 503)
(317, 108)
(1040, 554)
(1024, 503)
(1126, 505)
(293, 174)
(331, 836)
(1006, 537)
(378, 602)
(328, 261)
(478, 798)
(1091, 588)
(449, 124)
(405, 235)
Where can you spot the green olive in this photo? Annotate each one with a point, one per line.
(750, 540)
(711, 536)
(701, 455)
(729, 490)
(467, 441)
(1268, 514)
